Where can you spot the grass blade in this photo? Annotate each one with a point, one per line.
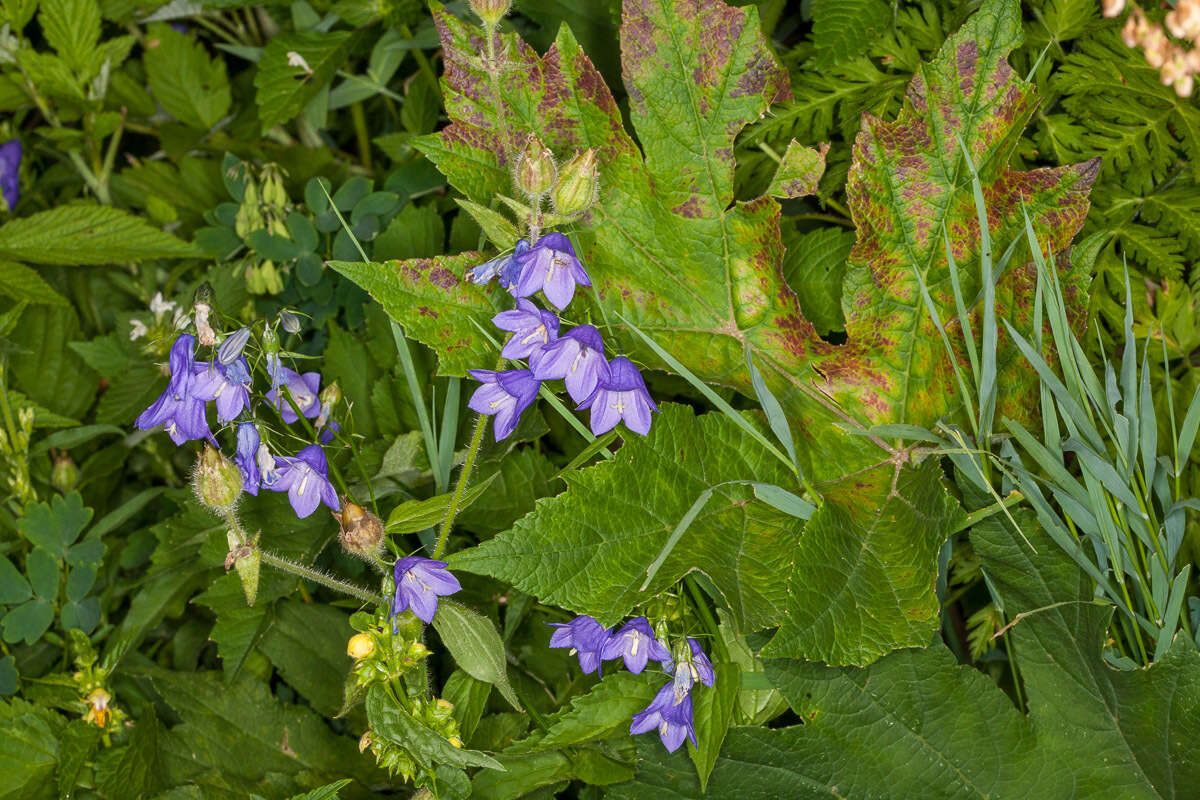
(771, 407)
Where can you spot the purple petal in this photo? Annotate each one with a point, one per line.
(637, 413)
(314, 456)
(305, 495)
(559, 285)
(488, 398)
(604, 412)
(672, 736)
(423, 604)
(554, 360)
(645, 721)
(439, 580)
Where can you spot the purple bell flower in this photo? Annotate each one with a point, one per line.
(305, 479)
(577, 356)
(620, 395)
(177, 409)
(551, 266)
(586, 637)
(505, 394)
(10, 172)
(690, 670)
(329, 432)
(672, 716)
(304, 389)
(531, 329)
(228, 385)
(419, 583)
(635, 642)
(505, 267)
(246, 457)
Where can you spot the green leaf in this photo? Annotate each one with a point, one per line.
(814, 266)
(327, 792)
(139, 771)
(43, 574)
(417, 515)
(843, 29)
(56, 525)
(861, 584)
(476, 647)
(427, 747)
(190, 86)
(48, 370)
(799, 172)
(84, 234)
(713, 713)
(28, 750)
(523, 476)
(602, 713)
(72, 27)
(23, 283)
(76, 746)
(497, 227)
(13, 586)
(589, 548)
(28, 621)
(282, 90)
(307, 644)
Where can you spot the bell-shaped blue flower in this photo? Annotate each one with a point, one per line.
(504, 394)
(305, 390)
(177, 409)
(692, 666)
(635, 642)
(505, 267)
(670, 715)
(531, 329)
(577, 356)
(246, 457)
(306, 480)
(551, 267)
(228, 385)
(620, 395)
(586, 637)
(10, 172)
(419, 583)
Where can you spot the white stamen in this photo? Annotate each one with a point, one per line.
(304, 482)
(637, 638)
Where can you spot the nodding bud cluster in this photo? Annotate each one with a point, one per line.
(578, 185)
(1176, 65)
(362, 531)
(491, 11)
(535, 171)
(216, 480)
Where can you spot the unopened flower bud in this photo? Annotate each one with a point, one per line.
(270, 341)
(246, 558)
(1112, 8)
(360, 646)
(216, 480)
(289, 321)
(231, 349)
(64, 474)
(249, 216)
(331, 395)
(535, 170)
(578, 185)
(204, 295)
(364, 742)
(455, 741)
(362, 532)
(273, 192)
(491, 11)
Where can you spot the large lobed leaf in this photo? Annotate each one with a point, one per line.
(670, 249)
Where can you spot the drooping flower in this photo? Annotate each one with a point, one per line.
(577, 356)
(10, 172)
(505, 394)
(231, 349)
(672, 717)
(419, 583)
(228, 385)
(505, 267)
(304, 390)
(246, 457)
(177, 409)
(551, 267)
(267, 469)
(306, 480)
(531, 329)
(620, 395)
(586, 637)
(692, 666)
(636, 643)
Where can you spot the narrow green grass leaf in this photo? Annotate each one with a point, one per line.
(771, 407)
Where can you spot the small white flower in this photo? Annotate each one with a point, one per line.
(137, 329)
(159, 306)
(297, 60)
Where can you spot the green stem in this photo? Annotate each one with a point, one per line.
(701, 604)
(361, 134)
(316, 576)
(464, 477)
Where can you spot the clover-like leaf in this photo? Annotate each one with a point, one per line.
(55, 526)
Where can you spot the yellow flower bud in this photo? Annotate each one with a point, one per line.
(360, 646)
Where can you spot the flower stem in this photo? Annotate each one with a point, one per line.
(464, 478)
(316, 576)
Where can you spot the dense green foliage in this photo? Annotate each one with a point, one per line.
(910, 283)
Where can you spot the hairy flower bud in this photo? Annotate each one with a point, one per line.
(491, 11)
(578, 185)
(535, 170)
(270, 341)
(289, 321)
(246, 558)
(360, 646)
(64, 474)
(331, 395)
(216, 480)
(362, 532)
(231, 349)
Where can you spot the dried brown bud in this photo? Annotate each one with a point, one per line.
(362, 532)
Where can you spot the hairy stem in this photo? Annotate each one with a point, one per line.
(464, 478)
(316, 576)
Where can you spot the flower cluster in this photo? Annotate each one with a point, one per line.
(225, 382)
(670, 713)
(1177, 65)
(614, 390)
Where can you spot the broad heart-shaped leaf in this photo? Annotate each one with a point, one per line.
(589, 548)
(859, 587)
(1124, 733)
(669, 249)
